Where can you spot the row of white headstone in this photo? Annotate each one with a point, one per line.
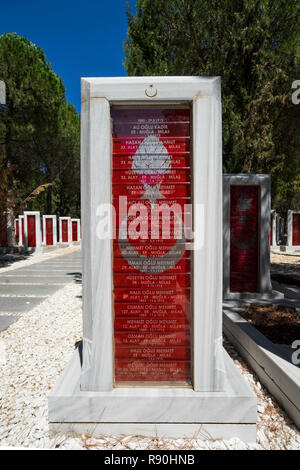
(276, 232)
(33, 231)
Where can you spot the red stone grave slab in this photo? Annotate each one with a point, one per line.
(153, 353)
(151, 164)
(178, 161)
(17, 230)
(49, 231)
(152, 339)
(23, 231)
(129, 146)
(139, 310)
(151, 371)
(170, 295)
(166, 190)
(296, 229)
(152, 280)
(74, 231)
(173, 176)
(150, 325)
(64, 231)
(31, 230)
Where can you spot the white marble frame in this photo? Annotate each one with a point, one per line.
(264, 182)
(78, 229)
(53, 217)
(69, 230)
(290, 231)
(38, 232)
(204, 95)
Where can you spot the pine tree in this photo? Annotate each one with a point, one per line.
(252, 45)
(39, 131)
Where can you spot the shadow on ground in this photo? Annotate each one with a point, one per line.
(77, 277)
(11, 258)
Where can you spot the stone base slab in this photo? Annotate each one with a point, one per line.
(173, 412)
(289, 291)
(272, 295)
(205, 431)
(289, 248)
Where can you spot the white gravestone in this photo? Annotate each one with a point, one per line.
(275, 220)
(21, 230)
(49, 230)
(32, 231)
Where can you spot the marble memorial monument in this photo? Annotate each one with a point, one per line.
(152, 360)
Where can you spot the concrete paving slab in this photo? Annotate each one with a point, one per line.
(34, 280)
(6, 321)
(52, 266)
(39, 280)
(59, 263)
(78, 259)
(19, 304)
(47, 271)
(29, 289)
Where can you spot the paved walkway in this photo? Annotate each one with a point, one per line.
(21, 289)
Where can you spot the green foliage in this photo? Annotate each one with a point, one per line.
(252, 45)
(39, 132)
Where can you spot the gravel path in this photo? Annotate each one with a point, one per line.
(30, 365)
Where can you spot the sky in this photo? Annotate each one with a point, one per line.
(80, 38)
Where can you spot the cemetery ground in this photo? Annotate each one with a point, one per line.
(35, 349)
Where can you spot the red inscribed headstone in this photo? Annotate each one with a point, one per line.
(74, 231)
(23, 231)
(152, 277)
(49, 231)
(31, 230)
(296, 229)
(64, 231)
(3, 230)
(244, 246)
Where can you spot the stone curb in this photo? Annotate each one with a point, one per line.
(276, 373)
